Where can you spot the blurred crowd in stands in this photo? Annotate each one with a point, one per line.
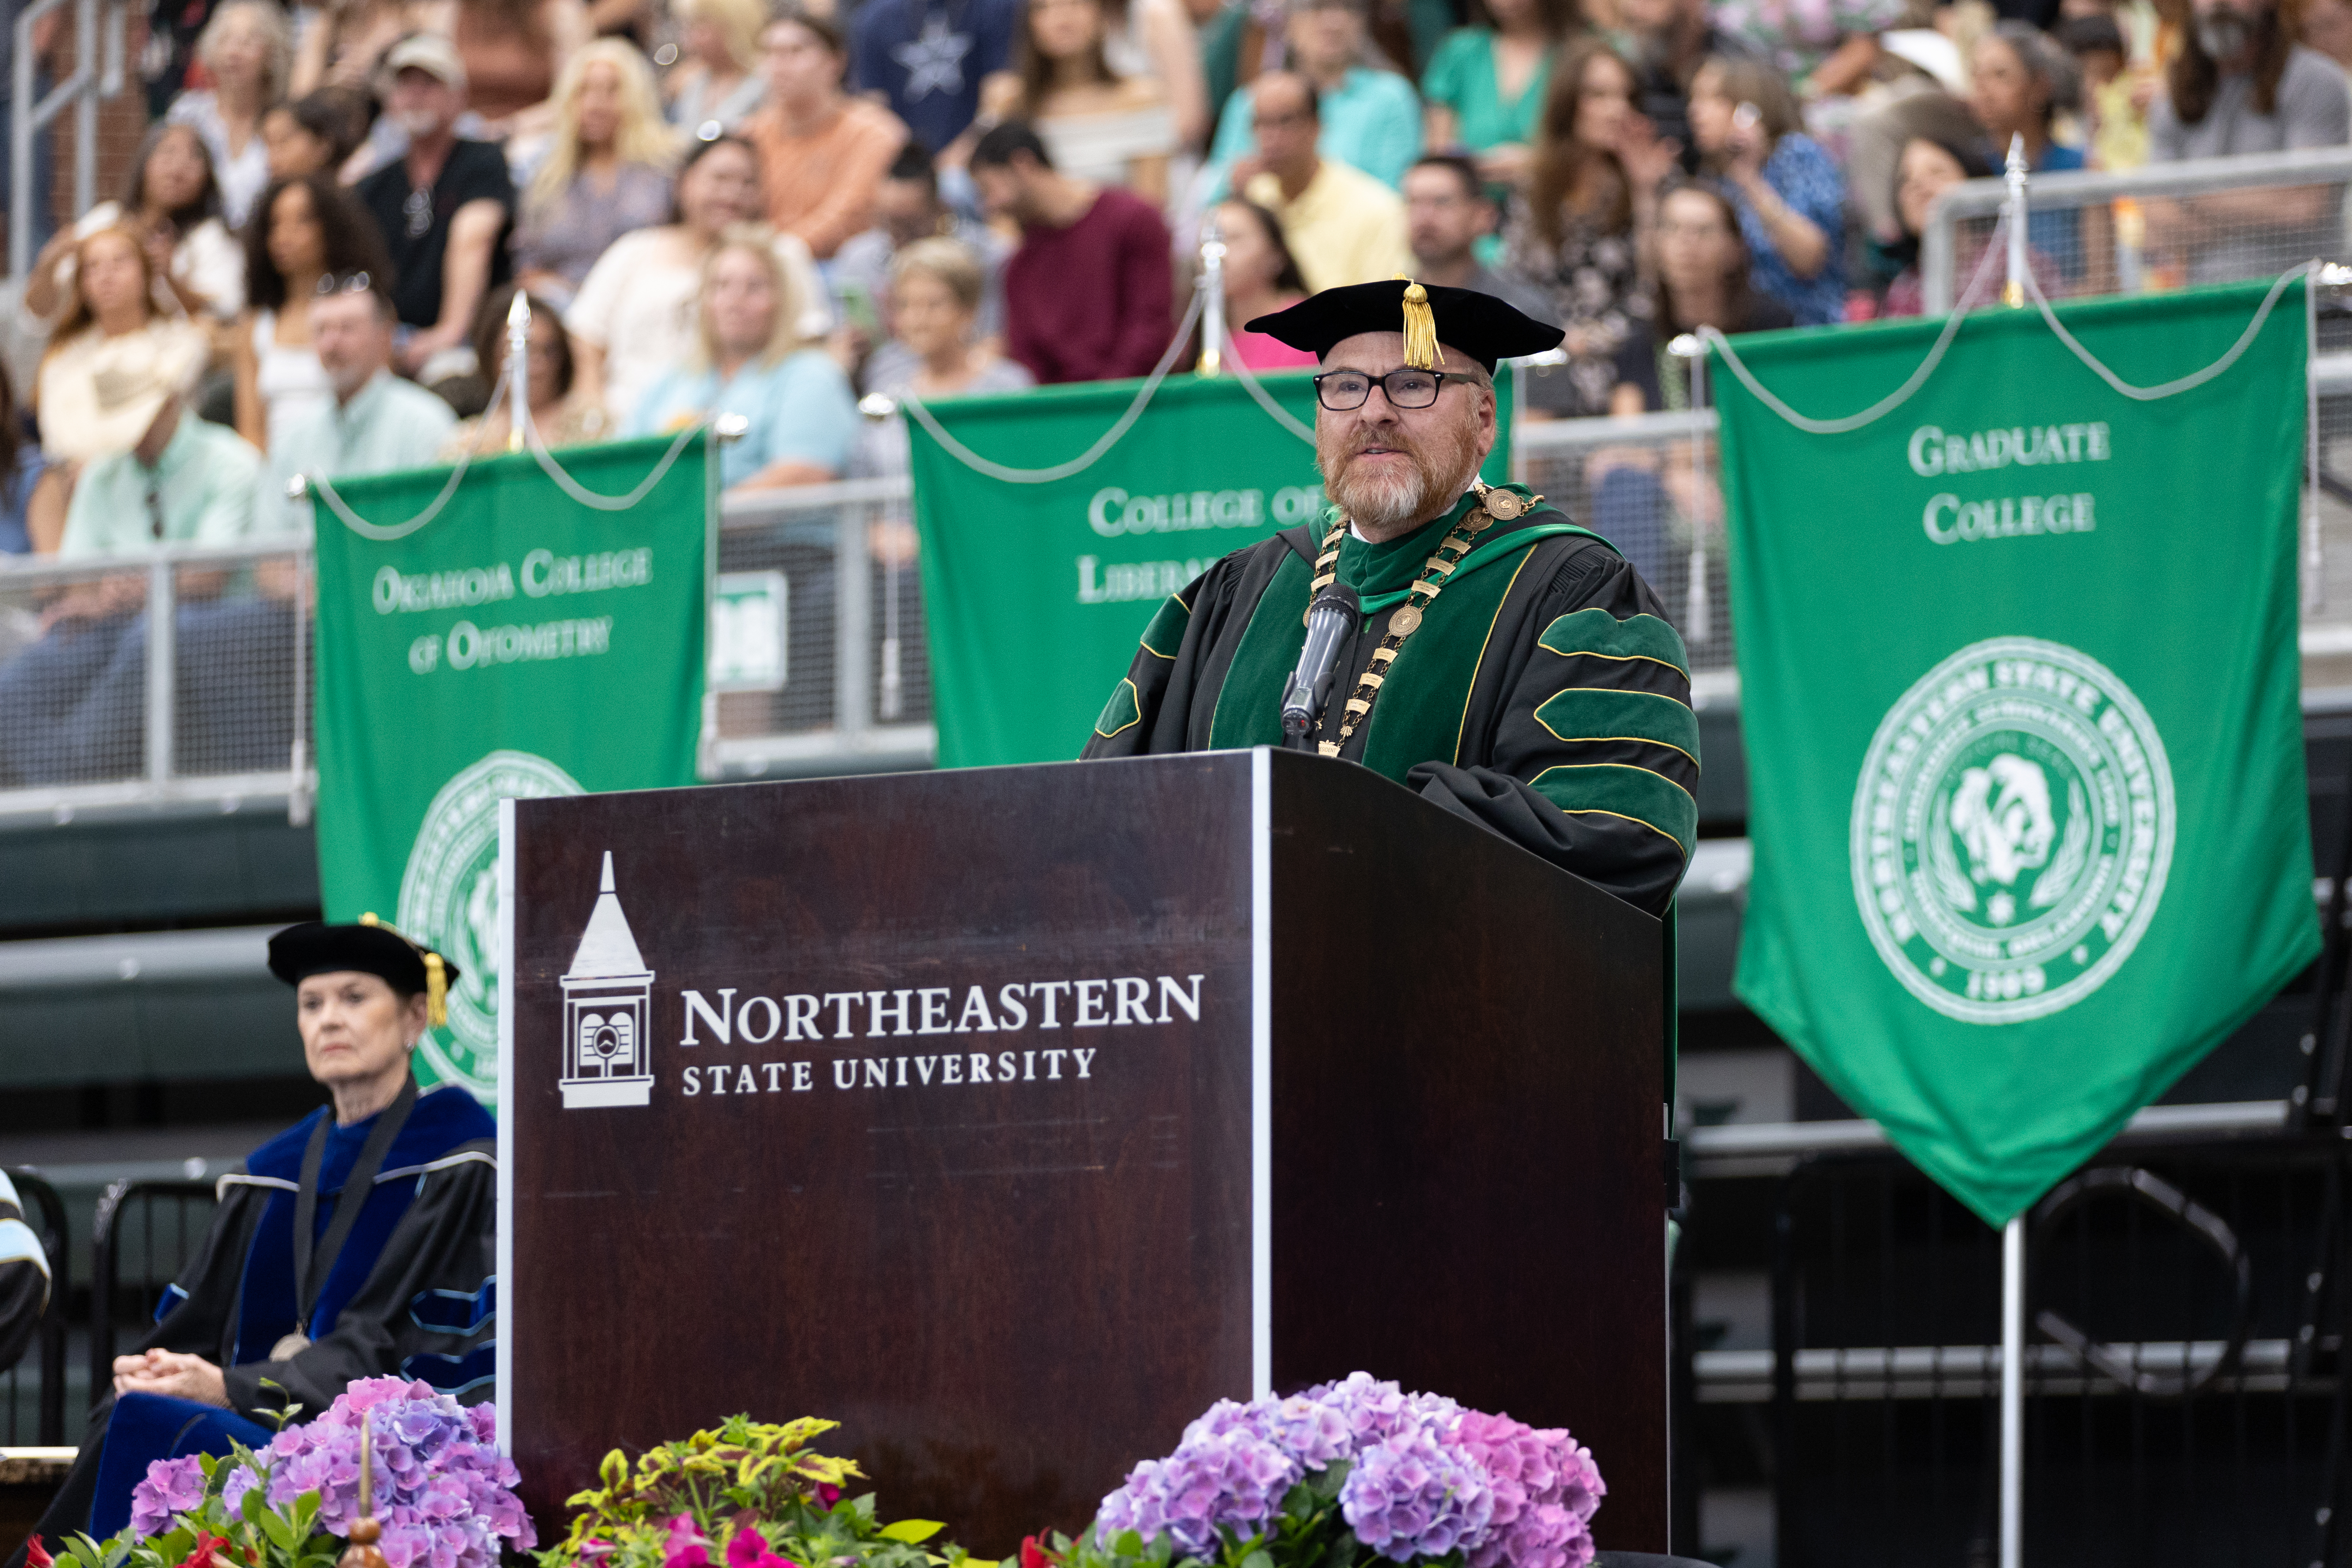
(714, 206)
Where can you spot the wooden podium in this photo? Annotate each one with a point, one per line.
(1010, 1117)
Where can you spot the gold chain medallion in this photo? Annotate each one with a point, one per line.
(1407, 617)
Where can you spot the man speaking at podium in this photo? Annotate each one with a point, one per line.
(1468, 641)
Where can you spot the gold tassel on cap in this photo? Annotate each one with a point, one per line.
(1420, 350)
(437, 974)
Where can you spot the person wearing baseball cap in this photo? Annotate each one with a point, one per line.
(444, 206)
(356, 1243)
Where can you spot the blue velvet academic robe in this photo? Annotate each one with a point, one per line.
(412, 1293)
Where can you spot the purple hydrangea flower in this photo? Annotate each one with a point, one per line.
(442, 1491)
(1310, 1432)
(1546, 1489)
(1225, 1477)
(1410, 1496)
(243, 1480)
(1427, 1478)
(171, 1486)
(1374, 1409)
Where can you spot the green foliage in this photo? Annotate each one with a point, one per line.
(694, 1503)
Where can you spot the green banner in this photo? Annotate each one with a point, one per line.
(1033, 594)
(2019, 686)
(519, 644)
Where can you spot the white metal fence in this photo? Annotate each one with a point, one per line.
(177, 678)
(2162, 226)
(180, 680)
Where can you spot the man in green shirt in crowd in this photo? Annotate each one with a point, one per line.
(187, 481)
(377, 422)
(72, 705)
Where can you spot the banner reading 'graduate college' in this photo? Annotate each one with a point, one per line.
(1035, 594)
(2019, 688)
(518, 645)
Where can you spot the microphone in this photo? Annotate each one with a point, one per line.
(1331, 620)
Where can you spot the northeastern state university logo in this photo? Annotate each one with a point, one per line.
(2011, 831)
(449, 899)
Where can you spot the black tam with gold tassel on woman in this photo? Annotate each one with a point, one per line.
(1508, 664)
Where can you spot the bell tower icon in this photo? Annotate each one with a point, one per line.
(607, 1011)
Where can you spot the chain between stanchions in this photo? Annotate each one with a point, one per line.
(1092, 454)
(1717, 342)
(585, 497)
(385, 532)
(1715, 339)
(1282, 417)
(2194, 379)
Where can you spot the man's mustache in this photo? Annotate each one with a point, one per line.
(1393, 440)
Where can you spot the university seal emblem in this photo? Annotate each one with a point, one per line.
(449, 899)
(2011, 831)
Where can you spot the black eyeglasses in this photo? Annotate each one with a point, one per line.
(344, 283)
(1341, 390)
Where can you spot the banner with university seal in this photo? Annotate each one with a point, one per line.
(1033, 594)
(519, 644)
(2019, 689)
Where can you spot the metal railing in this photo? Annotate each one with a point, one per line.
(179, 676)
(209, 707)
(2184, 1391)
(2163, 226)
(1649, 486)
(855, 692)
(144, 1234)
(43, 1414)
(97, 73)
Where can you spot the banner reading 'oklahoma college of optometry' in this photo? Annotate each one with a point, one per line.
(519, 644)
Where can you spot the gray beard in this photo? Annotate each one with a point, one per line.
(1390, 501)
(1383, 502)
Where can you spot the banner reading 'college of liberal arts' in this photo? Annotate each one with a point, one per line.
(518, 645)
(1034, 596)
(2018, 689)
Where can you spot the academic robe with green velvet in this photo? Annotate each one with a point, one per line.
(1544, 695)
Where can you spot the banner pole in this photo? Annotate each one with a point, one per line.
(518, 369)
(2012, 1394)
(1213, 296)
(2013, 293)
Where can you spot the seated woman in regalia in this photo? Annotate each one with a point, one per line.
(358, 1243)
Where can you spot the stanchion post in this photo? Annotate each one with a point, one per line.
(518, 369)
(162, 663)
(2013, 293)
(2012, 1394)
(1213, 296)
(1698, 614)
